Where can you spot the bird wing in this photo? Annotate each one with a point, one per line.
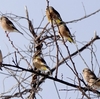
(42, 60)
(92, 75)
(56, 13)
(67, 29)
(10, 23)
(70, 39)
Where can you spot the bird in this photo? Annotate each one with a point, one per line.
(91, 79)
(7, 25)
(1, 59)
(39, 63)
(52, 15)
(64, 32)
(55, 17)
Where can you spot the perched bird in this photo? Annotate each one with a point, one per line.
(64, 31)
(40, 63)
(8, 26)
(55, 17)
(91, 79)
(52, 15)
(1, 59)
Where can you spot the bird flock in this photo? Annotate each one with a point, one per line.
(38, 62)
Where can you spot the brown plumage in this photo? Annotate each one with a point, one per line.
(7, 25)
(64, 31)
(91, 78)
(52, 14)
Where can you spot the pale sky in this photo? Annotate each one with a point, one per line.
(83, 31)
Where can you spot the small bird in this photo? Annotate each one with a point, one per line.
(1, 59)
(91, 79)
(8, 26)
(40, 63)
(64, 31)
(52, 15)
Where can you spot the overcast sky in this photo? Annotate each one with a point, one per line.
(69, 10)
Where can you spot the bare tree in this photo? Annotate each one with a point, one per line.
(27, 80)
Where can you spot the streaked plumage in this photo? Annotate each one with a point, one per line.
(7, 25)
(91, 79)
(52, 14)
(40, 63)
(64, 32)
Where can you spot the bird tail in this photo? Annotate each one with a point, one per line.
(70, 39)
(20, 32)
(48, 70)
(16, 30)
